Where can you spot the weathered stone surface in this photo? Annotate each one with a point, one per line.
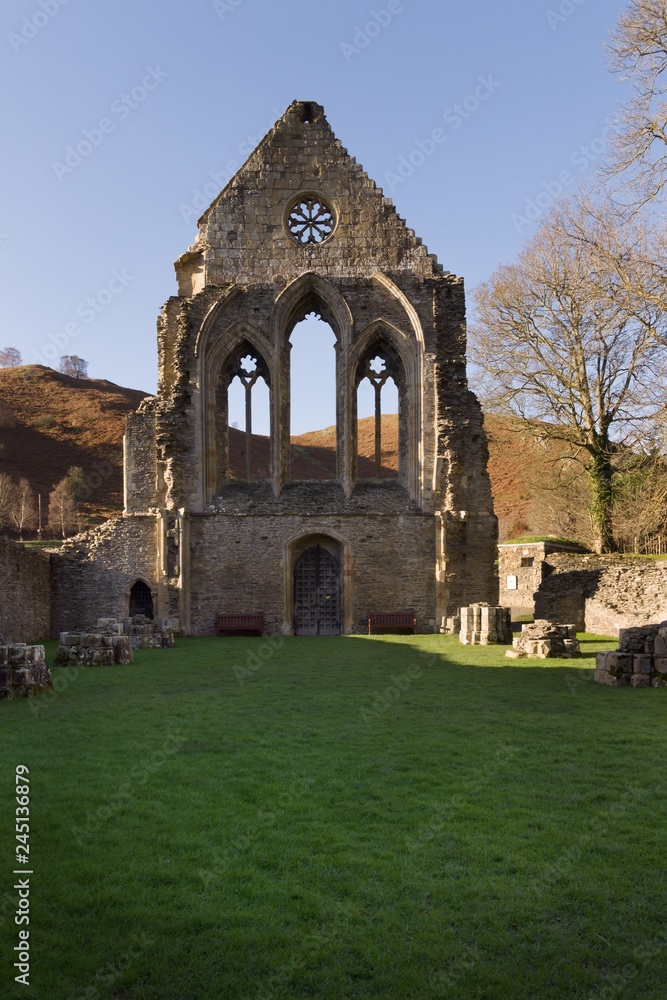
(544, 640)
(522, 567)
(25, 592)
(484, 625)
(603, 594)
(25, 673)
(635, 660)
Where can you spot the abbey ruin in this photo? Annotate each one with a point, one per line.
(300, 229)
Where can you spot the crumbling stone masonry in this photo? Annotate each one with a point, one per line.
(300, 229)
(25, 592)
(602, 594)
(640, 660)
(542, 640)
(103, 647)
(23, 671)
(482, 625)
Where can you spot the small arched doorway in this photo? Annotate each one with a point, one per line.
(317, 593)
(141, 600)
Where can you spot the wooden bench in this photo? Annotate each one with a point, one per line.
(392, 619)
(230, 624)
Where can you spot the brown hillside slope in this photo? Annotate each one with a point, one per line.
(50, 422)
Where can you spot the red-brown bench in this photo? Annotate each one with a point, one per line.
(392, 619)
(230, 624)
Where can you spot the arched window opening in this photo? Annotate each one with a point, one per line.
(141, 600)
(242, 418)
(312, 400)
(249, 421)
(378, 397)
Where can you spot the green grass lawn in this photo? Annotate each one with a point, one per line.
(353, 817)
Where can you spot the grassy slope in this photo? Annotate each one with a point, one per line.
(203, 829)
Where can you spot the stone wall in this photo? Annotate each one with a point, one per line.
(93, 573)
(243, 560)
(525, 565)
(25, 594)
(603, 594)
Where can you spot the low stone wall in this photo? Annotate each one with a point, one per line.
(603, 594)
(640, 660)
(23, 671)
(25, 592)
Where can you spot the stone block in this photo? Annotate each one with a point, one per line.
(620, 663)
(660, 664)
(91, 640)
(543, 649)
(640, 680)
(16, 653)
(571, 646)
(515, 654)
(642, 664)
(4, 655)
(6, 693)
(660, 646)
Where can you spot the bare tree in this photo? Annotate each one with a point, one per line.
(8, 499)
(10, 357)
(638, 52)
(71, 364)
(25, 513)
(62, 511)
(561, 341)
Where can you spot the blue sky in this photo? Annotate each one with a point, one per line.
(185, 90)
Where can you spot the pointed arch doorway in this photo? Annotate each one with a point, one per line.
(317, 605)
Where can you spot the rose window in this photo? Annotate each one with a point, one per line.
(310, 220)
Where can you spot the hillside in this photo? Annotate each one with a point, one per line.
(50, 422)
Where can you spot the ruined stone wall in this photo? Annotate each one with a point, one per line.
(242, 560)
(529, 563)
(25, 592)
(603, 593)
(93, 573)
(140, 459)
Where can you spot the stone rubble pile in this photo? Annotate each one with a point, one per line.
(23, 672)
(542, 640)
(147, 634)
(110, 641)
(640, 660)
(482, 625)
(104, 645)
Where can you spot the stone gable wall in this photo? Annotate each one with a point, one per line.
(25, 592)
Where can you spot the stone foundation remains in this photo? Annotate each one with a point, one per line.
(640, 660)
(482, 625)
(110, 642)
(146, 634)
(104, 647)
(541, 640)
(23, 671)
